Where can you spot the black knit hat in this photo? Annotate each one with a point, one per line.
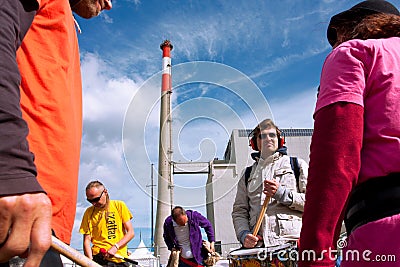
(358, 12)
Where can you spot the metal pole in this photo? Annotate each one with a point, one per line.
(152, 206)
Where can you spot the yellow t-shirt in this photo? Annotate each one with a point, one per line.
(106, 233)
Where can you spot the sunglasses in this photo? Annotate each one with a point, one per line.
(96, 199)
(265, 135)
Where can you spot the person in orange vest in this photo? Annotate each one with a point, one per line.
(40, 125)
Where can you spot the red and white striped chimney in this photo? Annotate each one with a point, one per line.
(165, 179)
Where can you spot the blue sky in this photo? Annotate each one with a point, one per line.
(278, 46)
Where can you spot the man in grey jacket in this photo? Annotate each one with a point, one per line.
(271, 176)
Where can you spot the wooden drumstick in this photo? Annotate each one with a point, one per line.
(262, 213)
(72, 254)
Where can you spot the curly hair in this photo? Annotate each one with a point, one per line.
(374, 26)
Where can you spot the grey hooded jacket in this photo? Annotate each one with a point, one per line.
(282, 221)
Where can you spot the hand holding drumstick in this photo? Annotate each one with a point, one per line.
(270, 188)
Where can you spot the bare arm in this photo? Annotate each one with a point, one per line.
(129, 234)
(87, 241)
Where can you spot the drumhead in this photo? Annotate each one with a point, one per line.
(245, 251)
(255, 251)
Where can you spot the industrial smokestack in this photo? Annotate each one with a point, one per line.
(165, 179)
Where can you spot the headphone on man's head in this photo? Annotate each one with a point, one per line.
(281, 139)
(253, 140)
(254, 135)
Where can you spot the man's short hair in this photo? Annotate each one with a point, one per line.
(94, 184)
(177, 212)
(265, 124)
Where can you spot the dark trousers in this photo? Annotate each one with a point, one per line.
(50, 259)
(103, 262)
(114, 264)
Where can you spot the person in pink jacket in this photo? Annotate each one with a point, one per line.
(354, 169)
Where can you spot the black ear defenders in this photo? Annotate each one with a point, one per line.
(254, 135)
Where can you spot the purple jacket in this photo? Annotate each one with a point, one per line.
(195, 221)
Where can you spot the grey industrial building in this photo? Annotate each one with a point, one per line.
(224, 174)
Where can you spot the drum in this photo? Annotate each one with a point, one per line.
(277, 256)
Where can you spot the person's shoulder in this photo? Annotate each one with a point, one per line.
(348, 49)
(302, 162)
(371, 42)
(195, 214)
(357, 48)
(168, 220)
(118, 203)
(380, 46)
(121, 202)
(192, 212)
(289, 160)
(284, 158)
(88, 210)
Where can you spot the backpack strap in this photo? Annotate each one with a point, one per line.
(294, 163)
(247, 175)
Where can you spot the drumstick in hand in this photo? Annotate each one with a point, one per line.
(262, 213)
(104, 252)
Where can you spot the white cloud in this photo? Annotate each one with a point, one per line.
(296, 110)
(106, 17)
(105, 95)
(105, 101)
(280, 63)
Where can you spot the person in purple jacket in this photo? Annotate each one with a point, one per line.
(182, 232)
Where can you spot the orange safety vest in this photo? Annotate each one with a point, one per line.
(51, 102)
